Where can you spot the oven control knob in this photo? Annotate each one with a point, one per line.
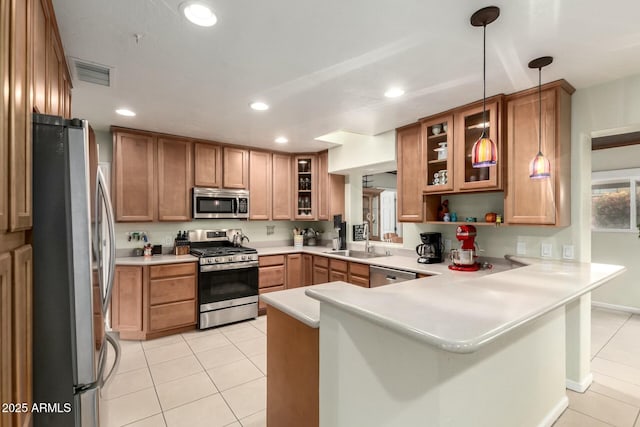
(217, 259)
(230, 259)
(244, 257)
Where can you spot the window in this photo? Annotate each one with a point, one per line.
(615, 200)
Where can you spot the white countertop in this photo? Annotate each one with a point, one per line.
(155, 259)
(460, 314)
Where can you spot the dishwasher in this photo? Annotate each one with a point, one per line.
(381, 276)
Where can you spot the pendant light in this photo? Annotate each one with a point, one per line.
(540, 167)
(484, 152)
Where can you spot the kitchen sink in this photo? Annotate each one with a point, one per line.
(356, 254)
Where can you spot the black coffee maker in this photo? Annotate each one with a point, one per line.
(430, 251)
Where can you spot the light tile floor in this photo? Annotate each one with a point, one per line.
(217, 378)
(201, 378)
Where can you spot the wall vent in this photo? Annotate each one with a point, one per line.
(91, 72)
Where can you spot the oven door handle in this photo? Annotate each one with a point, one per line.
(236, 211)
(230, 266)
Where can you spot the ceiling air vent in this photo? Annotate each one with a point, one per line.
(91, 72)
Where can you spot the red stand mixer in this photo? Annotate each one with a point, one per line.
(464, 259)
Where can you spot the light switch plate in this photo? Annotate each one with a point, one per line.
(521, 248)
(546, 250)
(447, 245)
(567, 252)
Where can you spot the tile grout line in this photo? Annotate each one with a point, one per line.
(590, 416)
(611, 337)
(155, 389)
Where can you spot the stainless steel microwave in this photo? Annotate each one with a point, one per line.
(216, 203)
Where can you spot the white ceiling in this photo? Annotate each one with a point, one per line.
(324, 66)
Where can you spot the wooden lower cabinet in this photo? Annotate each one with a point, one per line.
(320, 269)
(294, 271)
(126, 301)
(22, 332)
(359, 274)
(154, 301)
(292, 371)
(271, 276)
(307, 269)
(338, 270)
(6, 334)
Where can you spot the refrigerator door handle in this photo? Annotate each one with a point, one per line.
(116, 347)
(112, 241)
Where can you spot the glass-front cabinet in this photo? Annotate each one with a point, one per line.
(469, 124)
(437, 152)
(306, 187)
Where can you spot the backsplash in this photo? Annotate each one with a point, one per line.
(163, 233)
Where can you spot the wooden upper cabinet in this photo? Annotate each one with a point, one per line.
(323, 186)
(19, 184)
(409, 155)
(208, 165)
(437, 150)
(235, 168)
(539, 201)
(4, 116)
(55, 59)
(174, 179)
(305, 196)
(469, 123)
(133, 162)
(41, 34)
(282, 194)
(259, 185)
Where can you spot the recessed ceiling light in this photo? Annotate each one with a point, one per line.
(199, 13)
(125, 112)
(282, 140)
(259, 106)
(394, 92)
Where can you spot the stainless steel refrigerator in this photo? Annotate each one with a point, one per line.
(73, 249)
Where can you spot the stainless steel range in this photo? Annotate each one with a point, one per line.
(227, 277)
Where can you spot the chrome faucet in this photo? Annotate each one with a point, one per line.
(367, 244)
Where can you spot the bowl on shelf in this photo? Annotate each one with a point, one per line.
(436, 129)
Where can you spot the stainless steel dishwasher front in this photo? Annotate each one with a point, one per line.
(381, 276)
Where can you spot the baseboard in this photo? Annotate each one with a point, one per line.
(616, 307)
(581, 386)
(555, 413)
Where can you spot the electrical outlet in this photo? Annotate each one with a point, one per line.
(168, 241)
(546, 250)
(521, 248)
(447, 245)
(567, 252)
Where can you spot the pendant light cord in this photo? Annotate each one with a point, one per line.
(484, 80)
(540, 110)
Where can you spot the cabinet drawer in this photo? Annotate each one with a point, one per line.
(262, 304)
(339, 265)
(360, 281)
(358, 269)
(172, 315)
(162, 291)
(265, 261)
(169, 270)
(271, 276)
(336, 276)
(320, 261)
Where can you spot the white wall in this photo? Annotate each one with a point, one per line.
(358, 151)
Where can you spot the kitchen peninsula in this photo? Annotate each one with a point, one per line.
(445, 350)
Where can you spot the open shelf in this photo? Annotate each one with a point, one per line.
(480, 224)
(437, 161)
(440, 135)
